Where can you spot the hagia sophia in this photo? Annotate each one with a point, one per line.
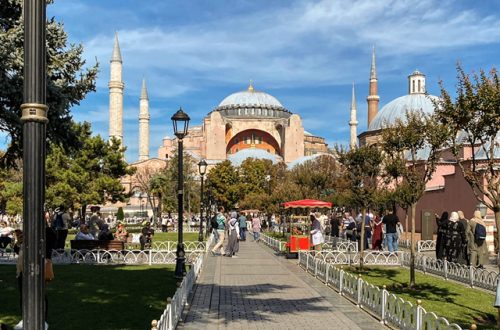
(252, 123)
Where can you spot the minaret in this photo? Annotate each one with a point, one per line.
(116, 86)
(372, 98)
(144, 123)
(353, 123)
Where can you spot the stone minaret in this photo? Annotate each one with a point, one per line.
(353, 123)
(116, 86)
(144, 123)
(372, 98)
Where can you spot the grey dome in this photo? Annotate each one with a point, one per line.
(397, 109)
(250, 97)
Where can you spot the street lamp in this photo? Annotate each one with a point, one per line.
(34, 121)
(180, 121)
(202, 168)
(139, 195)
(482, 208)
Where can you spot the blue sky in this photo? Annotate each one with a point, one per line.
(305, 53)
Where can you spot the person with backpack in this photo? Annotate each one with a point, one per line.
(60, 226)
(221, 225)
(476, 239)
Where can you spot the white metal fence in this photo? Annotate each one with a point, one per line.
(387, 307)
(422, 245)
(337, 244)
(172, 313)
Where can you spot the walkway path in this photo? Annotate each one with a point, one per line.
(259, 290)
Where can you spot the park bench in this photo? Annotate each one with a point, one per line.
(95, 245)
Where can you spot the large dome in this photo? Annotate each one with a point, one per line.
(397, 109)
(252, 103)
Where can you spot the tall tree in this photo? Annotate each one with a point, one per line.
(223, 182)
(362, 170)
(68, 81)
(474, 120)
(413, 146)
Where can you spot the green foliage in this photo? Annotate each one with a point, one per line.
(11, 191)
(223, 182)
(120, 215)
(68, 82)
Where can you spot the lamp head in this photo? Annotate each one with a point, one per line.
(202, 167)
(180, 121)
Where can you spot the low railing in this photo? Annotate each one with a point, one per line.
(273, 243)
(172, 246)
(387, 307)
(422, 245)
(172, 313)
(340, 244)
(369, 257)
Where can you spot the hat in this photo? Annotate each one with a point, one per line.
(234, 214)
(454, 216)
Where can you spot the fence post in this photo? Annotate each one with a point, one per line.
(315, 267)
(170, 313)
(445, 269)
(471, 276)
(359, 289)
(150, 257)
(307, 262)
(384, 304)
(419, 315)
(327, 271)
(341, 285)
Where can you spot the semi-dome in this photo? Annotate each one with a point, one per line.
(238, 158)
(416, 100)
(252, 103)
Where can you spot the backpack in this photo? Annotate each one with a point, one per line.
(479, 233)
(213, 222)
(58, 222)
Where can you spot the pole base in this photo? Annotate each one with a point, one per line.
(180, 262)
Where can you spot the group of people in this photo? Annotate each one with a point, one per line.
(462, 240)
(235, 227)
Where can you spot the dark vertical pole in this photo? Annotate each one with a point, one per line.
(180, 265)
(34, 119)
(200, 234)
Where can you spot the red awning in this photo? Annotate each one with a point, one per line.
(304, 203)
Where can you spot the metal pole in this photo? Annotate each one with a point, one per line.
(200, 234)
(34, 119)
(180, 265)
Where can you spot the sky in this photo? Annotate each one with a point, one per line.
(307, 54)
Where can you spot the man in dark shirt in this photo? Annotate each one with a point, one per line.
(390, 220)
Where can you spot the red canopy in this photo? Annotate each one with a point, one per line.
(304, 203)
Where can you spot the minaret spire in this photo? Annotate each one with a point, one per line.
(144, 123)
(116, 87)
(353, 123)
(373, 99)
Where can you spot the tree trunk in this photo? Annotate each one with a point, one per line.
(84, 211)
(362, 241)
(412, 251)
(406, 223)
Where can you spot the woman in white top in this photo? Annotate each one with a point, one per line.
(316, 234)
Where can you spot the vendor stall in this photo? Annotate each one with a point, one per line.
(299, 225)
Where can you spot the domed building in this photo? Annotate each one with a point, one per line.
(248, 124)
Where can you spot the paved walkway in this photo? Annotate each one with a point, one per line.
(259, 290)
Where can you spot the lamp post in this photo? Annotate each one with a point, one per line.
(482, 208)
(140, 204)
(202, 168)
(34, 120)
(180, 121)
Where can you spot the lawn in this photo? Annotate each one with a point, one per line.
(96, 297)
(457, 303)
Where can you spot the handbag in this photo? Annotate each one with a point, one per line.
(49, 270)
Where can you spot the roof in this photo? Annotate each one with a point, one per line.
(251, 97)
(238, 158)
(305, 203)
(304, 159)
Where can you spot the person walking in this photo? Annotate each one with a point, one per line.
(465, 250)
(243, 227)
(316, 235)
(442, 225)
(233, 236)
(390, 221)
(335, 225)
(221, 223)
(377, 232)
(478, 248)
(455, 237)
(256, 228)
(60, 224)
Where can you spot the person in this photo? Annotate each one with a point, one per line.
(60, 224)
(221, 225)
(243, 227)
(164, 224)
(346, 220)
(478, 248)
(105, 234)
(368, 230)
(455, 237)
(335, 228)
(256, 228)
(351, 229)
(465, 224)
(121, 233)
(94, 221)
(390, 221)
(6, 233)
(316, 235)
(84, 233)
(233, 236)
(442, 225)
(377, 232)
(146, 235)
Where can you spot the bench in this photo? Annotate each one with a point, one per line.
(95, 245)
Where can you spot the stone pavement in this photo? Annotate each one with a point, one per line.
(259, 290)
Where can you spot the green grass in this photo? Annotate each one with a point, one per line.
(457, 303)
(96, 297)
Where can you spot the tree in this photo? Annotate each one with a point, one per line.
(87, 175)
(223, 182)
(316, 178)
(362, 170)
(145, 178)
(11, 190)
(119, 214)
(412, 147)
(67, 81)
(474, 120)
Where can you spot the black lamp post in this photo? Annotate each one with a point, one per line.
(181, 122)
(202, 167)
(34, 120)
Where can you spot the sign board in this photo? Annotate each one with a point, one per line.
(428, 224)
